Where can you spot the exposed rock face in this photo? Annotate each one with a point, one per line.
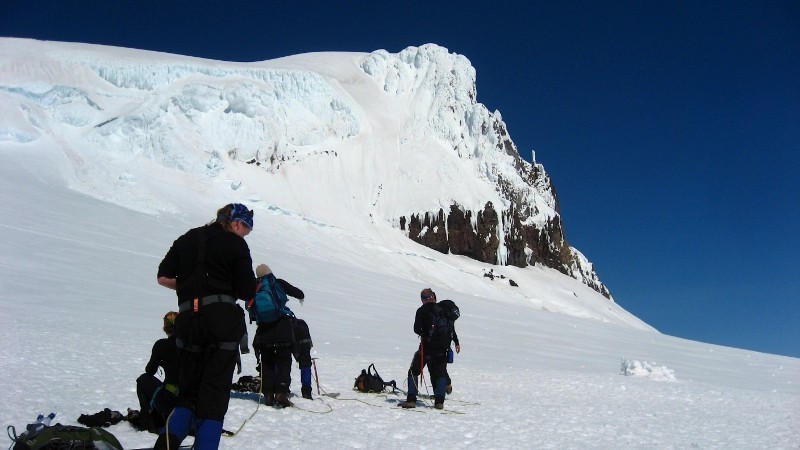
(459, 234)
(525, 229)
(429, 231)
(480, 242)
(487, 234)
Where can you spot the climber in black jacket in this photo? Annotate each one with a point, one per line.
(157, 399)
(210, 268)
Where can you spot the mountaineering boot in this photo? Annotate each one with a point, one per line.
(411, 402)
(306, 391)
(282, 400)
(207, 435)
(438, 405)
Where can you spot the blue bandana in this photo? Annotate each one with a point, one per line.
(240, 213)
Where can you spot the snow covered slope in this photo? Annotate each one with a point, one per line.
(354, 140)
(81, 308)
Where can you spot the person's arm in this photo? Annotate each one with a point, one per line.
(419, 319)
(167, 275)
(171, 283)
(455, 339)
(152, 366)
(291, 291)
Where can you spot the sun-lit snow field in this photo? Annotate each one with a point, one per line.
(81, 309)
(548, 364)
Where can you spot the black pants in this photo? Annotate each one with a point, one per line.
(302, 347)
(155, 399)
(436, 360)
(206, 370)
(273, 344)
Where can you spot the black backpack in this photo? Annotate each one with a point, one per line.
(444, 313)
(65, 437)
(449, 309)
(372, 382)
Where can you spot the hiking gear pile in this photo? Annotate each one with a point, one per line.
(247, 383)
(370, 381)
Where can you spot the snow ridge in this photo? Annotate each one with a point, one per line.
(404, 131)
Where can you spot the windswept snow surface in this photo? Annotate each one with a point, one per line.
(548, 364)
(81, 309)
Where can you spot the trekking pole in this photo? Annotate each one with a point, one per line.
(316, 376)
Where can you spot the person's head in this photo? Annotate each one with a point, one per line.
(262, 270)
(169, 322)
(236, 218)
(427, 295)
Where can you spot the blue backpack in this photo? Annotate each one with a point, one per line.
(269, 304)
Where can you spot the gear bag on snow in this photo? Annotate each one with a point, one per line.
(371, 381)
(104, 418)
(269, 303)
(247, 383)
(445, 313)
(64, 437)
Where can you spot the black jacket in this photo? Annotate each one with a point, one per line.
(228, 265)
(165, 355)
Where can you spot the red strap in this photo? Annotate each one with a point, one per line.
(258, 288)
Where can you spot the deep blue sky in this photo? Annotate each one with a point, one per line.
(671, 130)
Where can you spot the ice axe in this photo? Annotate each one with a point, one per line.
(316, 379)
(316, 376)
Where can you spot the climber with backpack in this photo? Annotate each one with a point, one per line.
(435, 324)
(274, 339)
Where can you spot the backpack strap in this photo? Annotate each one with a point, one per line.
(200, 268)
(274, 293)
(204, 234)
(372, 369)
